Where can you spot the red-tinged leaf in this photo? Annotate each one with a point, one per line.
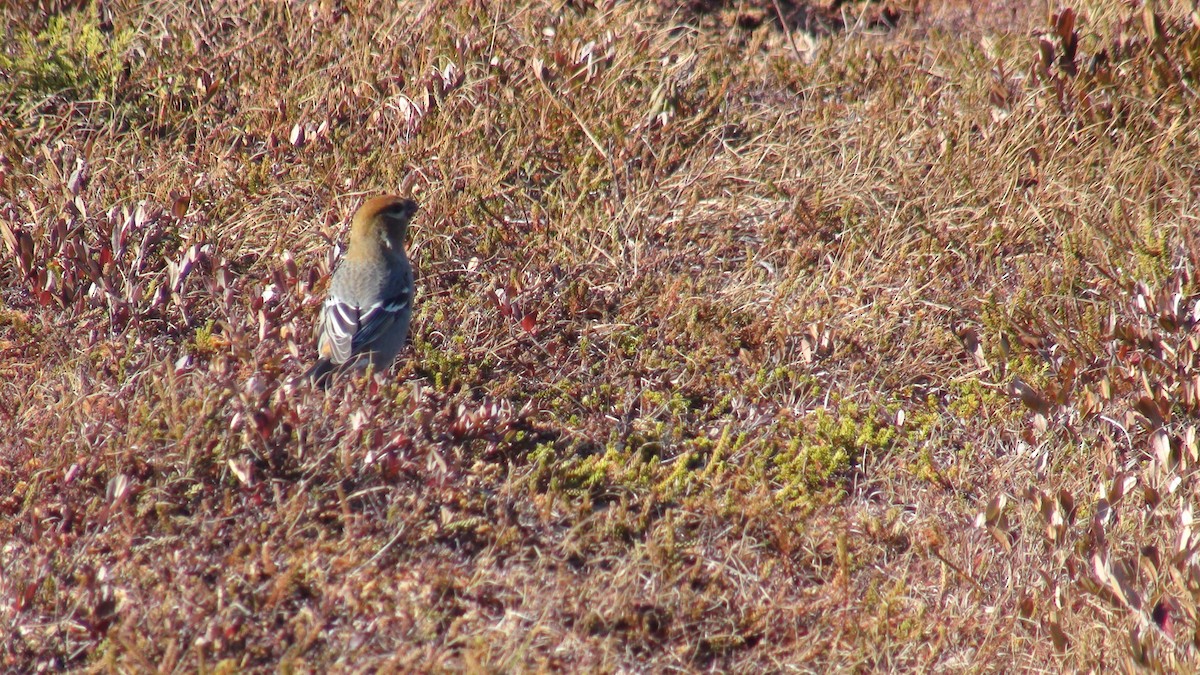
(27, 596)
(1164, 617)
(244, 471)
(1029, 396)
(1047, 52)
(1065, 23)
(1150, 560)
(1151, 496)
(117, 489)
(1147, 407)
(971, 344)
(264, 422)
(500, 297)
(389, 466)
(179, 207)
(528, 323)
(290, 266)
(1160, 445)
(1057, 636)
(1067, 503)
(1002, 537)
(1026, 607)
(399, 442)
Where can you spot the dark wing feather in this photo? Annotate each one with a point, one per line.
(379, 318)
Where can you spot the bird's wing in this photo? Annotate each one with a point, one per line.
(339, 325)
(378, 319)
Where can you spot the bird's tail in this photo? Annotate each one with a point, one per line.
(320, 373)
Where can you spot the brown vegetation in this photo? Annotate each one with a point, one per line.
(749, 336)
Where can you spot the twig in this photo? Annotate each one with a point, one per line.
(786, 31)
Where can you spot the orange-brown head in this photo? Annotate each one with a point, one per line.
(379, 226)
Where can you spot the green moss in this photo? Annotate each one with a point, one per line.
(1154, 254)
(202, 344)
(821, 446)
(972, 400)
(72, 57)
(449, 368)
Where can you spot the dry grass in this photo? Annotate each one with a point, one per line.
(871, 342)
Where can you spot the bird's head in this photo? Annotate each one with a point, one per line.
(381, 222)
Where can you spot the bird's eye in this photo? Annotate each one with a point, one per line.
(402, 209)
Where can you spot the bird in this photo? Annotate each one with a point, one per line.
(365, 318)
